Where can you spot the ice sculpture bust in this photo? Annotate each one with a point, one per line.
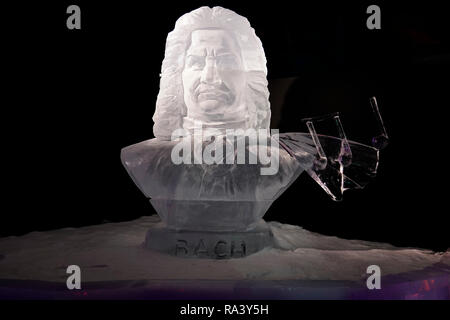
(213, 77)
(214, 71)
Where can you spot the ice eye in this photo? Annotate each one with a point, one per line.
(228, 62)
(196, 62)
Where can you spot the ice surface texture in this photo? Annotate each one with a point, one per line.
(208, 197)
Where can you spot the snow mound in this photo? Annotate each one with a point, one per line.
(114, 251)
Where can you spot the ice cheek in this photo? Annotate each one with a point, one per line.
(189, 79)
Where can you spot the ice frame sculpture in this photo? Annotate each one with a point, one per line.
(213, 77)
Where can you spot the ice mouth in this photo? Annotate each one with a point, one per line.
(212, 95)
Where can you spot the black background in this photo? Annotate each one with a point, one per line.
(79, 96)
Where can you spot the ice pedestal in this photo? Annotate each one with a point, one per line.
(209, 244)
(209, 228)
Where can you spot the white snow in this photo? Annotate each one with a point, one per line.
(113, 251)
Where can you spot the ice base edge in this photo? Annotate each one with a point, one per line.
(209, 244)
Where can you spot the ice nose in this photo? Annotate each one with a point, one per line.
(209, 74)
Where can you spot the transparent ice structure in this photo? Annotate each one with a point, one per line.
(213, 84)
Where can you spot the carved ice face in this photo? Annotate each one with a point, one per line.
(214, 77)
